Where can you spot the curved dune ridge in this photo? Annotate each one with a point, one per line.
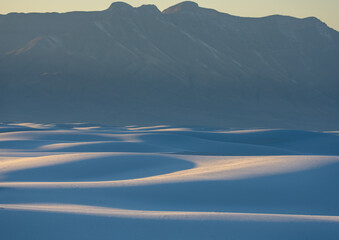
(93, 181)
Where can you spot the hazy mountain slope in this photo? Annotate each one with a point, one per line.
(187, 65)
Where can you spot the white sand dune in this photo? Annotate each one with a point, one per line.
(82, 181)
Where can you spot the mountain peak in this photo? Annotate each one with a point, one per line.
(119, 5)
(149, 8)
(186, 6)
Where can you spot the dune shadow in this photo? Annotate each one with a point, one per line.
(27, 145)
(257, 143)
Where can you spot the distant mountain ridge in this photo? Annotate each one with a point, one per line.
(186, 65)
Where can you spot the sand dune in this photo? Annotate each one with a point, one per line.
(233, 184)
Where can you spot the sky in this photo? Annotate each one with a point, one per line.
(325, 10)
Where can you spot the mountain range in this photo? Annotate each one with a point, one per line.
(186, 65)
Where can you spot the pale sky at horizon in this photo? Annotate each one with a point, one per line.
(325, 10)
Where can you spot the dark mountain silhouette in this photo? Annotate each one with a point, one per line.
(185, 66)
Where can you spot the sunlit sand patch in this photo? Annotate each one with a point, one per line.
(333, 132)
(244, 131)
(136, 128)
(171, 130)
(170, 215)
(57, 146)
(230, 168)
(33, 125)
(86, 128)
(206, 169)
(11, 164)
